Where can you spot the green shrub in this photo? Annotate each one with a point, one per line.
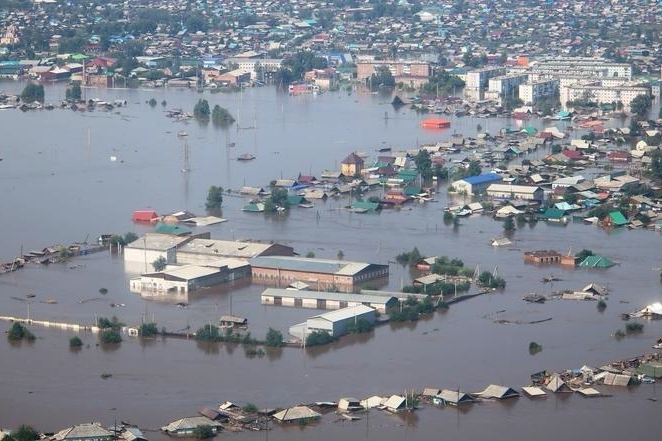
(75, 342)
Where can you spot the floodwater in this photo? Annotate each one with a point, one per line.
(58, 185)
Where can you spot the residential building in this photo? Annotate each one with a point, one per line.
(234, 77)
(600, 94)
(479, 79)
(334, 322)
(352, 165)
(504, 86)
(256, 66)
(323, 273)
(530, 93)
(399, 69)
(186, 426)
(559, 66)
(84, 432)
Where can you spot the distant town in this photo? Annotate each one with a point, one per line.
(578, 83)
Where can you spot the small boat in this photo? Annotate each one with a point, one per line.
(30, 295)
(385, 149)
(306, 205)
(245, 157)
(182, 134)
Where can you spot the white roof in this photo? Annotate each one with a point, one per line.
(227, 248)
(534, 391)
(395, 402)
(345, 313)
(157, 241)
(189, 423)
(373, 401)
(528, 189)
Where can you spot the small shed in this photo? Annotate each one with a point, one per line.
(534, 392)
(349, 404)
(144, 216)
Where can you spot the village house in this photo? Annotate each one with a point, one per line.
(352, 165)
(84, 432)
(510, 191)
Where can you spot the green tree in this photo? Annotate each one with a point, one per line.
(110, 336)
(641, 105)
(509, 224)
(318, 338)
(19, 332)
(340, 255)
(112, 323)
(381, 78)
(148, 330)
(130, 237)
(583, 254)
(75, 342)
(424, 164)
(203, 431)
(208, 332)
(201, 109)
(214, 198)
(24, 433)
(33, 92)
(274, 338)
(656, 163)
(74, 93)
(221, 117)
(310, 255)
(160, 264)
(359, 327)
(474, 168)
(279, 197)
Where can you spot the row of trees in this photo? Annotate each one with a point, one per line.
(220, 116)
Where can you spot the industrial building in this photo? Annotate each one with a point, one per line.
(334, 322)
(187, 278)
(152, 246)
(509, 191)
(204, 251)
(476, 184)
(323, 274)
(326, 300)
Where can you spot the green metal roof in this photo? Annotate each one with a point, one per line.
(617, 218)
(596, 261)
(370, 206)
(553, 213)
(164, 228)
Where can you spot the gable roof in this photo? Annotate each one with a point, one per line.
(596, 261)
(482, 179)
(354, 159)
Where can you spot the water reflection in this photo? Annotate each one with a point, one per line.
(344, 342)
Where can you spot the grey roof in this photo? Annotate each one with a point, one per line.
(296, 413)
(304, 264)
(88, 430)
(617, 379)
(497, 391)
(157, 241)
(321, 295)
(225, 248)
(189, 423)
(455, 396)
(556, 384)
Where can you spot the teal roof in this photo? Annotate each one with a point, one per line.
(412, 191)
(295, 199)
(617, 218)
(553, 213)
(369, 206)
(164, 228)
(596, 261)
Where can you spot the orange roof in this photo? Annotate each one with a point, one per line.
(435, 123)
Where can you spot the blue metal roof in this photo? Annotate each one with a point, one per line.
(482, 179)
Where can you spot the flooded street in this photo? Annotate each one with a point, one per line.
(59, 188)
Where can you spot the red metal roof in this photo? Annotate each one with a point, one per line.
(144, 216)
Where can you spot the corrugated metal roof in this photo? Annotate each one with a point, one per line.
(497, 391)
(322, 295)
(296, 413)
(304, 264)
(158, 242)
(482, 179)
(187, 272)
(190, 423)
(344, 313)
(227, 248)
(88, 430)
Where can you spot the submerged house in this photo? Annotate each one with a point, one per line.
(296, 414)
(186, 426)
(494, 391)
(453, 398)
(596, 261)
(557, 385)
(84, 432)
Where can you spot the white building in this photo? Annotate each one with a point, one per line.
(532, 92)
(334, 322)
(505, 85)
(508, 191)
(152, 246)
(251, 64)
(598, 67)
(478, 79)
(602, 94)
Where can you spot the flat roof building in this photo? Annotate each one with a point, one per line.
(476, 184)
(321, 273)
(509, 191)
(203, 251)
(326, 300)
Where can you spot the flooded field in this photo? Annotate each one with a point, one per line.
(58, 188)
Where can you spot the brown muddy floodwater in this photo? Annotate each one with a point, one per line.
(58, 188)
